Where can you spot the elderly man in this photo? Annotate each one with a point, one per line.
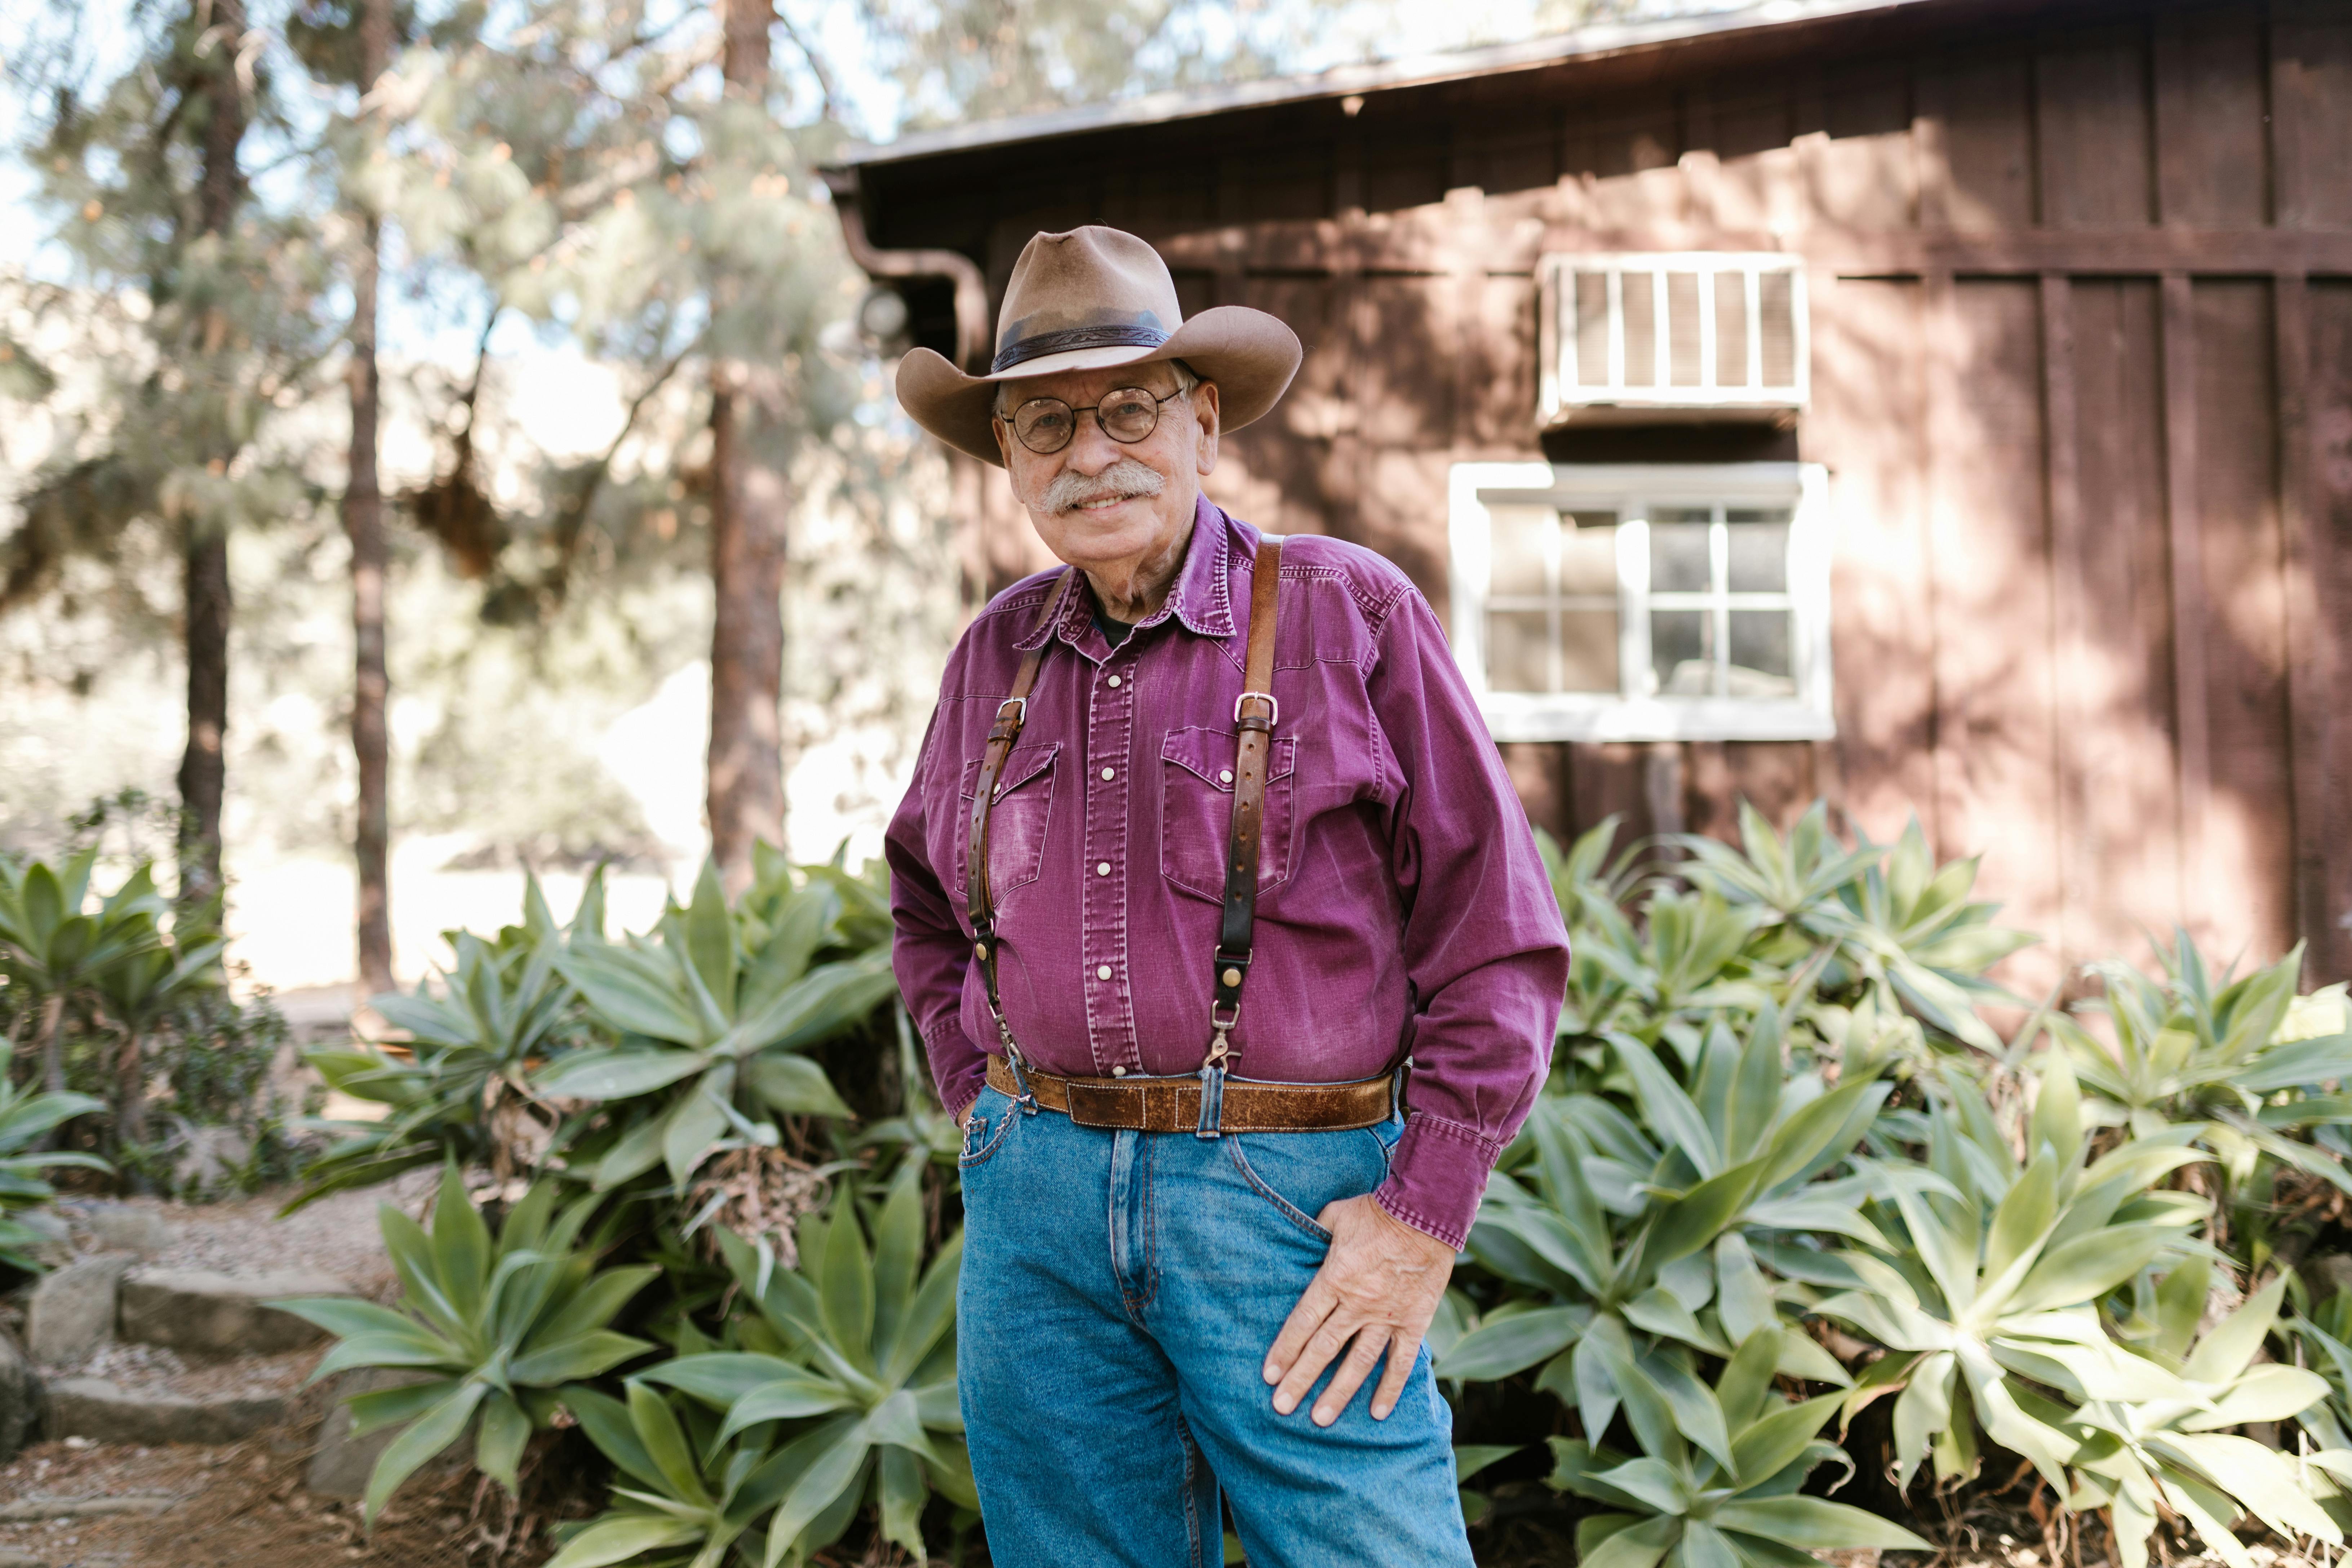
(1196, 763)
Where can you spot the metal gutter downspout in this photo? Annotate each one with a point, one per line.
(970, 290)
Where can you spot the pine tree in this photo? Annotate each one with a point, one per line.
(145, 177)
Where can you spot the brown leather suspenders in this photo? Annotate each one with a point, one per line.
(1255, 713)
(979, 902)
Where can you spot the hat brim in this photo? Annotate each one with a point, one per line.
(1251, 356)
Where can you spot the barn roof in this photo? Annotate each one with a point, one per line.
(1599, 41)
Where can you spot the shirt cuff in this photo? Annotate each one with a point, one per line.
(1437, 1174)
(958, 1068)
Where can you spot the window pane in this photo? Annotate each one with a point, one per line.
(1591, 329)
(1521, 534)
(1588, 650)
(1678, 652)
(1759, 552)
(1641, 329)
(1678, 558)
(1518, 651)
(1588, 555)
(1760, 662)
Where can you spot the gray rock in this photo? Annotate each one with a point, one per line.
(20, 1399)
(220, 1315)
(105, 1413)
(205, 1160)
(342, 1463)
(125, 1228)
(71, 1315)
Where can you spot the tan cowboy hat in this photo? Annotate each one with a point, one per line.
(1091, 298)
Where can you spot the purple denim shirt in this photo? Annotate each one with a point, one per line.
(1402, 906)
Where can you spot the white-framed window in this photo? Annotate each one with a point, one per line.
(1682, 603)
(1706, 332)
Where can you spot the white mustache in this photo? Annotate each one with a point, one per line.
(1124, 480)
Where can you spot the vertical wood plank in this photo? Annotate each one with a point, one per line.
(2071, 614)
(2328, 487)
(1939, 376)
(2192, 722)
(1931, 122)
(2311, 669)
(2289, 87)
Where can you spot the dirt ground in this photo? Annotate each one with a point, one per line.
(238, 1506)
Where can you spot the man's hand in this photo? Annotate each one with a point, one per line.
(1380, 1285)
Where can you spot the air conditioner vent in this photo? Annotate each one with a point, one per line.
(1698, 330)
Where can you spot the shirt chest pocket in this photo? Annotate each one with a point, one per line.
(1196, 811)
(1016, 823)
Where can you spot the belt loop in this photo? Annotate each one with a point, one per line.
(1212, 1101)
(1396, 1090)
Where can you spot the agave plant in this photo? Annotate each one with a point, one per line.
(470, 1048)
(1995, 1274)
(684, 1496)
(26, 1117)
(54, 946)
(711, 1012)
(861, 1368)
(1715, 1484)
(2170, 1450)
(1616, 1232)
(2218, 1053)
(153, 975)
(493, 1325)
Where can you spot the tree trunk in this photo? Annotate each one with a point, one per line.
(364, 521)
(131, 1073)
(53, 1043)
(203, 774)
(749, 501)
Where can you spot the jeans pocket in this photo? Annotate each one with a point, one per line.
(1297, 1174)
(986, 1130)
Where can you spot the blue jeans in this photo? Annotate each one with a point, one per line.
(1119, 1293)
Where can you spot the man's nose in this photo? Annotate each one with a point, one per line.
(1090, 451)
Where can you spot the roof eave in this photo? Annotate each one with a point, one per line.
(1596, 42)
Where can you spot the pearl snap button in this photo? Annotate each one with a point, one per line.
(1225, 776)
(1114, 680)
(1109, 774)
(1102, 868)
(1102, 971)
(1118, 1072)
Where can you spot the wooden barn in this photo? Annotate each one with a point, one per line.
(1942, 406)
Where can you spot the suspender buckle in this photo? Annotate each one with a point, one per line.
(1273, 708)
(1020, 706)
(1212, 1076)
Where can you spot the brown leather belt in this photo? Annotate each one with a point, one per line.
(1173, 1104)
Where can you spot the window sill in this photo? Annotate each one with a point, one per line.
(1530, 717)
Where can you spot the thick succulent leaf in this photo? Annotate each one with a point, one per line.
(845, 1292)
(1770, 1444)
(833, 1455)
(594, 1304)
(1745, 1387)
(1744, 1299)
(2057, 1122)
(1696, 1414)
(898, 1480)
(2089, 1266)
(709, 932)
(567, 1361)
(667, 1444)
(1514, 1343)
(617, 1074)
(625, 1537)
(785, 1398)
(611, 1427)
(1639, 1546)
(720, 1378)
(1657, 1311)
(2256, 1476)
(2229, 1346)
(929, 1315)
(1699, 1216)
(794, 1085)
(382, 1408)
(2267, 1393)
(498, 1444)
(1815, 1524)
(697, 1122)
(1649, 1482)
(415, 1348)
(629, 991)
(344, 1316)
(1668, 1110)
(426, 1436)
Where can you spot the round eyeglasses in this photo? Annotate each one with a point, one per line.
(1047, 424)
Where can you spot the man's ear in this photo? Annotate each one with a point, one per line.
(1003, 448)
(1206, 415)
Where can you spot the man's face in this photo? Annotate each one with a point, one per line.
(1116, 510)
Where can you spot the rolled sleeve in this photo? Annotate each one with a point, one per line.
(1483, 943)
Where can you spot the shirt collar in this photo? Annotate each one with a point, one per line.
(1201, 599)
